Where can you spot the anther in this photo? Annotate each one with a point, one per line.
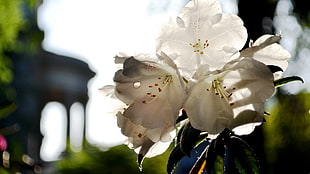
(159, 89)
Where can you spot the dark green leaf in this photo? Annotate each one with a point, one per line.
(188, 139)
(285, 80)
(243, 156)
(216, 153)
(274, 68)
(215, 157)
(140, 160)
(175, 156)
(179, 134)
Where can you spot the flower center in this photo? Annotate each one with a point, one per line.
(157, 88)
(199, 46)
(222, 91)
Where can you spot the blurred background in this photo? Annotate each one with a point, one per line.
(56, 54)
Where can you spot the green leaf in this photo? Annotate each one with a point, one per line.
(188, 138)
(274, 68)
(243, 156)
(175, 156)
(285, 80)
(7, 109)
(215, 157)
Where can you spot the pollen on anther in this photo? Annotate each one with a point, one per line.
(140, 135)
(148, 93)
(155, 84)
(231, 104)
(208, 89)
(201, 52)
(229, 95)
(153, 95)
(217, 93)
(150, 86)
(144, 101)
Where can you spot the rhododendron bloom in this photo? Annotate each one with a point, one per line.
(154, 93)
(202, 34)
(230, 98)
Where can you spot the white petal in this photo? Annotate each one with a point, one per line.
(246, 128)
(266, 40)
(200, 9)
(266, 49)
(107, 90)
(151, 149)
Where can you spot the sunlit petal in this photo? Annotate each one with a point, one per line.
(266, 49)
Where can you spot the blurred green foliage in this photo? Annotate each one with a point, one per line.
(287, 134)
(3, 171)
(14, 23)
(11, 21)
(303, 11)
(116, 160)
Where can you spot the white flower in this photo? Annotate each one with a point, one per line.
(154, 93)
(202, 34)
(266, 49)
(230, 98)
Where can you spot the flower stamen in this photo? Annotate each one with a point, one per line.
(161, 84)
(221, 91)
(199, 47)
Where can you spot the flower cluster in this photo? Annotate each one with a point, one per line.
(197, 69)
